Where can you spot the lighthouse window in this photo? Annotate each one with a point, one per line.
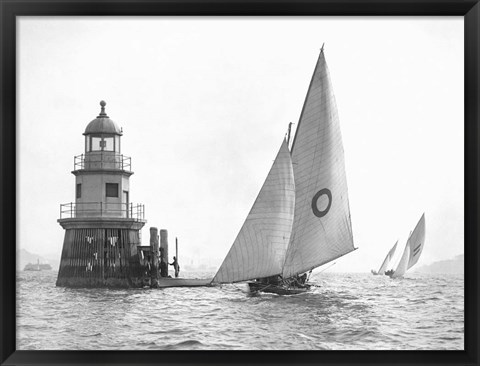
(96, 143)
(112, 189)
(108, 143)
(79, 190)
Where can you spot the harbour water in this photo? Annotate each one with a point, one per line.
(345, 312)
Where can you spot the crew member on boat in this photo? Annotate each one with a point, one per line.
(298, 281)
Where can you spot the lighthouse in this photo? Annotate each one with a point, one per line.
(102, 226)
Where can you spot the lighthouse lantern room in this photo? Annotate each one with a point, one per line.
(102, 227)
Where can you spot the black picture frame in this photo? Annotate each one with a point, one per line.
(10, 9)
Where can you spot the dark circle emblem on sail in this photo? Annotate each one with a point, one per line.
(320, 193)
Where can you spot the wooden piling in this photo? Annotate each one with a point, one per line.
(155, 254)
(164, 244)
(176, 248)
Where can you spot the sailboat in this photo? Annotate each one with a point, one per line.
(413, 250)
(301, 217)
(386, 261)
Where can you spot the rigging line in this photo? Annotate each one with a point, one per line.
(326, 268)
(308, 277)
(263, 288)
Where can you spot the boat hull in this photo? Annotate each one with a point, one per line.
(277, 289)
(389, 273)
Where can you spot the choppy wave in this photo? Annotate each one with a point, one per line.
(345, 311)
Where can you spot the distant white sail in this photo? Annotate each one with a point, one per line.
(322, 229)
(413, 249)
(260, 246)
(417, 242)
(387, 260)
(403, 264)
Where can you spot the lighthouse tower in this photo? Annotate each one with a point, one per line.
(102, 227)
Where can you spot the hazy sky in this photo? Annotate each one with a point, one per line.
(204, 103)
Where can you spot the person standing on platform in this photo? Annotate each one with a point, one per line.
(175, 266)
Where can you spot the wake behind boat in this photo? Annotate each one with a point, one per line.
(301, 217)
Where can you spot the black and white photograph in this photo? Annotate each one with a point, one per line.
(240, 183)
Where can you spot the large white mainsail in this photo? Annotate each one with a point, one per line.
(260, 246)
(387, 260)
(413, 249)
(322, 229)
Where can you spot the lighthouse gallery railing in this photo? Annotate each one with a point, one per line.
(102, 160)
(74, 210)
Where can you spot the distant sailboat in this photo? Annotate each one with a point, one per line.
(301, 218)
(413, 250)
(386, 261)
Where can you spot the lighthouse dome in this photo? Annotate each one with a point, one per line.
(102, 124)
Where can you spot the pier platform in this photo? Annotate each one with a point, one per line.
(183, 282)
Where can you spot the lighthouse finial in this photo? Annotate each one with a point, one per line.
(102, 112)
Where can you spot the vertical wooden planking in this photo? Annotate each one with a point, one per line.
(126, 251)
(63, 259)
(69, 262)
(110, 251)
(85, 248)
(83, 243)
(89, 253)
(107, 253)
(81, 261)
(106, 268)
(74, 253)
(115, 259)
(100, 254)
(110, 247)
(73, 258)
(96, 259)
(117, 255)
(120, 253)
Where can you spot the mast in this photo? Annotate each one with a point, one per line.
(176, 248)
(289, 133)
